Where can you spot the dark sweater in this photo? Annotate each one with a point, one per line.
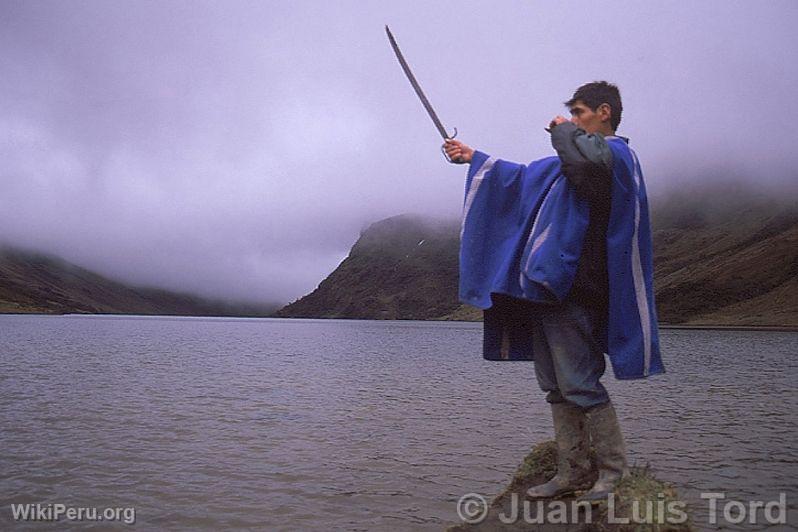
(587, 164)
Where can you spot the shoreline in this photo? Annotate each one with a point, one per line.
(719, 327)
(779, 328)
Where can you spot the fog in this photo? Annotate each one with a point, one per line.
(237, 149)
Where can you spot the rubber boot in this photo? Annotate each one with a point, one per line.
(573, 463)
(607, 441)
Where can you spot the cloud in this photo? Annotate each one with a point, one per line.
(237, 150)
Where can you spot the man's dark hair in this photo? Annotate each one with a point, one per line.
(596, 93)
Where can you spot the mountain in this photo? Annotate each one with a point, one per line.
(721, 257)
(32, 282)
(727, 257)
(404, 267)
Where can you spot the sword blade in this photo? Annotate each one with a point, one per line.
(416, 86)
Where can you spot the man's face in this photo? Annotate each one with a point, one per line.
(589, 120)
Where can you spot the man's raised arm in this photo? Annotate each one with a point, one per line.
(586, 158)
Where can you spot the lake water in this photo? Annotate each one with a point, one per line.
(204, 423)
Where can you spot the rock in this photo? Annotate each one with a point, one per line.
(641, 502)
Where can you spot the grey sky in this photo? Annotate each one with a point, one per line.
(236, 149)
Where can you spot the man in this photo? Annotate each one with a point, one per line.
(558, 254)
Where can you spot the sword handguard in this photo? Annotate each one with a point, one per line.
(446, 155)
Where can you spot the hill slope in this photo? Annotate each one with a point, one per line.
(34, 282)
(403, 267)
(740, 268)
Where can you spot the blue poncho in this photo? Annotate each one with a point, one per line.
(522, 233)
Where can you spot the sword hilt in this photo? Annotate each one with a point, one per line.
(445, 155)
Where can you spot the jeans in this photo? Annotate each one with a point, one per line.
(568, 361)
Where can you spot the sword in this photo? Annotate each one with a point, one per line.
(420, 93)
